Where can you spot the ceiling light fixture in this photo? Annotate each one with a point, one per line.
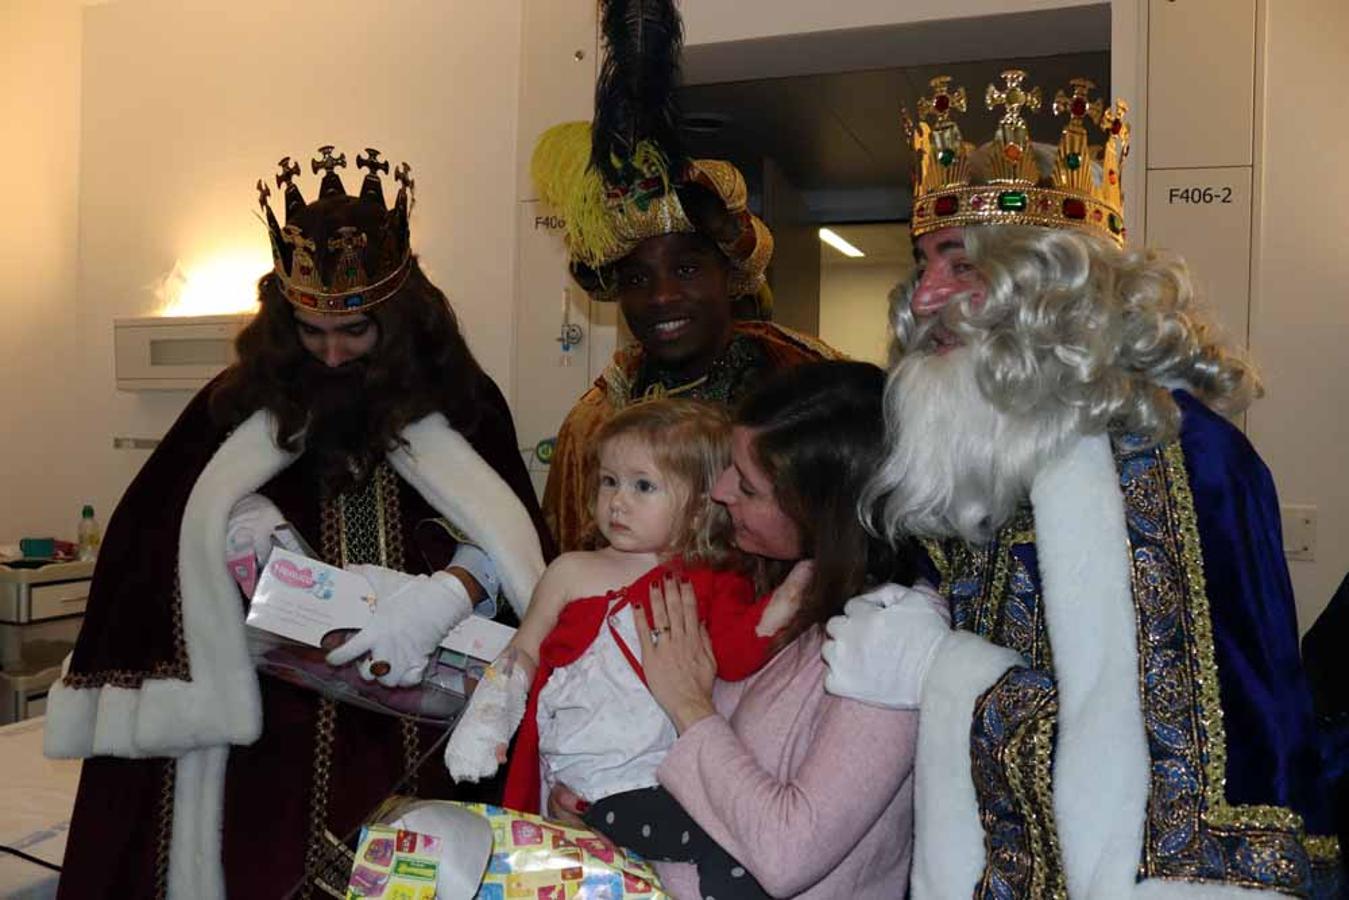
(832, 239)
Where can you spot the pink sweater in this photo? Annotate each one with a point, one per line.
(812, 793)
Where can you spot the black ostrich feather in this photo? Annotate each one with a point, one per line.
(635, 94)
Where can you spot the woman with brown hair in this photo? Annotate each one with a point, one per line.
(810, 793)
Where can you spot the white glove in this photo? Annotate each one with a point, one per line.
(880, 649)
(494, 712)
(250, 527)
(407, 626)
(385, 582)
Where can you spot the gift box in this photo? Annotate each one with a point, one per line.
(394, 864)
(306, 601)
(302, 608)
(537, 859)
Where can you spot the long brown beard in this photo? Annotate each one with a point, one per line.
(341, 436)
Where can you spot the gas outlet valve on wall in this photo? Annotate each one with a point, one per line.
(1299, 532)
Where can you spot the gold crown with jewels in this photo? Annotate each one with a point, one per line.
(1010, 180)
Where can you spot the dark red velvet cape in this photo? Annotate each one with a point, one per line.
(118, 840)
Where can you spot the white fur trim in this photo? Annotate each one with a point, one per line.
(1101, 755)
(459, 484)
(220, 704)
(197, 720)
(948, 840)
(195, 869)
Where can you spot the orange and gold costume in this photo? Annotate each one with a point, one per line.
(756, 349)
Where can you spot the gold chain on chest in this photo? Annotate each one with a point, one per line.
(360, 526)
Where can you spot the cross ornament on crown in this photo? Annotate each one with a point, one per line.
(329, 162)
(1009, 180)
(358, 252)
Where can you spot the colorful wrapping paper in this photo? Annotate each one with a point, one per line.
(537, 859)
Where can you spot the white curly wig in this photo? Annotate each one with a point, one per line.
(1075, 336)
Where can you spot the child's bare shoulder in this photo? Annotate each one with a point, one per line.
(587, 573)
(570, 571)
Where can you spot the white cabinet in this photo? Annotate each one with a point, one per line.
(163, 353)
(41, 610)
(1201, 83)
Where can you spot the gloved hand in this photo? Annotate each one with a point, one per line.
(250, 527)
(477, 743)
(880, 649)
(385, 582)
(408, 624)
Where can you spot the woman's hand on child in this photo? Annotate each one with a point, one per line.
(786, 599)
(677, 654)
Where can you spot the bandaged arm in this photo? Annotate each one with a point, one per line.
(478, 744)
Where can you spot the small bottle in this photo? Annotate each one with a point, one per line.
(89, 533)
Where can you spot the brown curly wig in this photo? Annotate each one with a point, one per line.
(352, 416)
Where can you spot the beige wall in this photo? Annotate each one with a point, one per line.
(39, 106)
(186, 105)
(855, 308)
(1300, 296)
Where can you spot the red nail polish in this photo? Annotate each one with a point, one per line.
(582, 806)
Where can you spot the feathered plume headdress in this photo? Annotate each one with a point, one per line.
(620, 179)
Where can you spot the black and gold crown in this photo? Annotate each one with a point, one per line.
(340, 254)
(1010, 180)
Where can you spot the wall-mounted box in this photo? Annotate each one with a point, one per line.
(165, 353)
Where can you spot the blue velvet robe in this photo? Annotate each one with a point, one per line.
(1211, 591)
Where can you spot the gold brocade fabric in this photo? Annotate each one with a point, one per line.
(567, 500)
(363, 525)
(1192, 833)
(1012, 752)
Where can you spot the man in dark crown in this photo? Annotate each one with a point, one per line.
(357, 414)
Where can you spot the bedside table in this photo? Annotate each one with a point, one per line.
(41, 610)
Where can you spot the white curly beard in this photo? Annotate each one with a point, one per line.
(956, 464)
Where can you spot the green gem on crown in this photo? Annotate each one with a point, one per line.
(946, 156)
(1074, 161)
(1012, 201)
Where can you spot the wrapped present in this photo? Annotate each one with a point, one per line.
(537, 859)
(394, 864)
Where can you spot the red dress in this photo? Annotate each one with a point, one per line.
(726, 604)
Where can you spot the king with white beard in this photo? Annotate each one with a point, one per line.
(1120, 709)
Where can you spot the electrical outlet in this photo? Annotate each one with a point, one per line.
(1299, 532)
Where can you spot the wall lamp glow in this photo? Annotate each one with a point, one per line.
(839, 244)
(219, 283)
